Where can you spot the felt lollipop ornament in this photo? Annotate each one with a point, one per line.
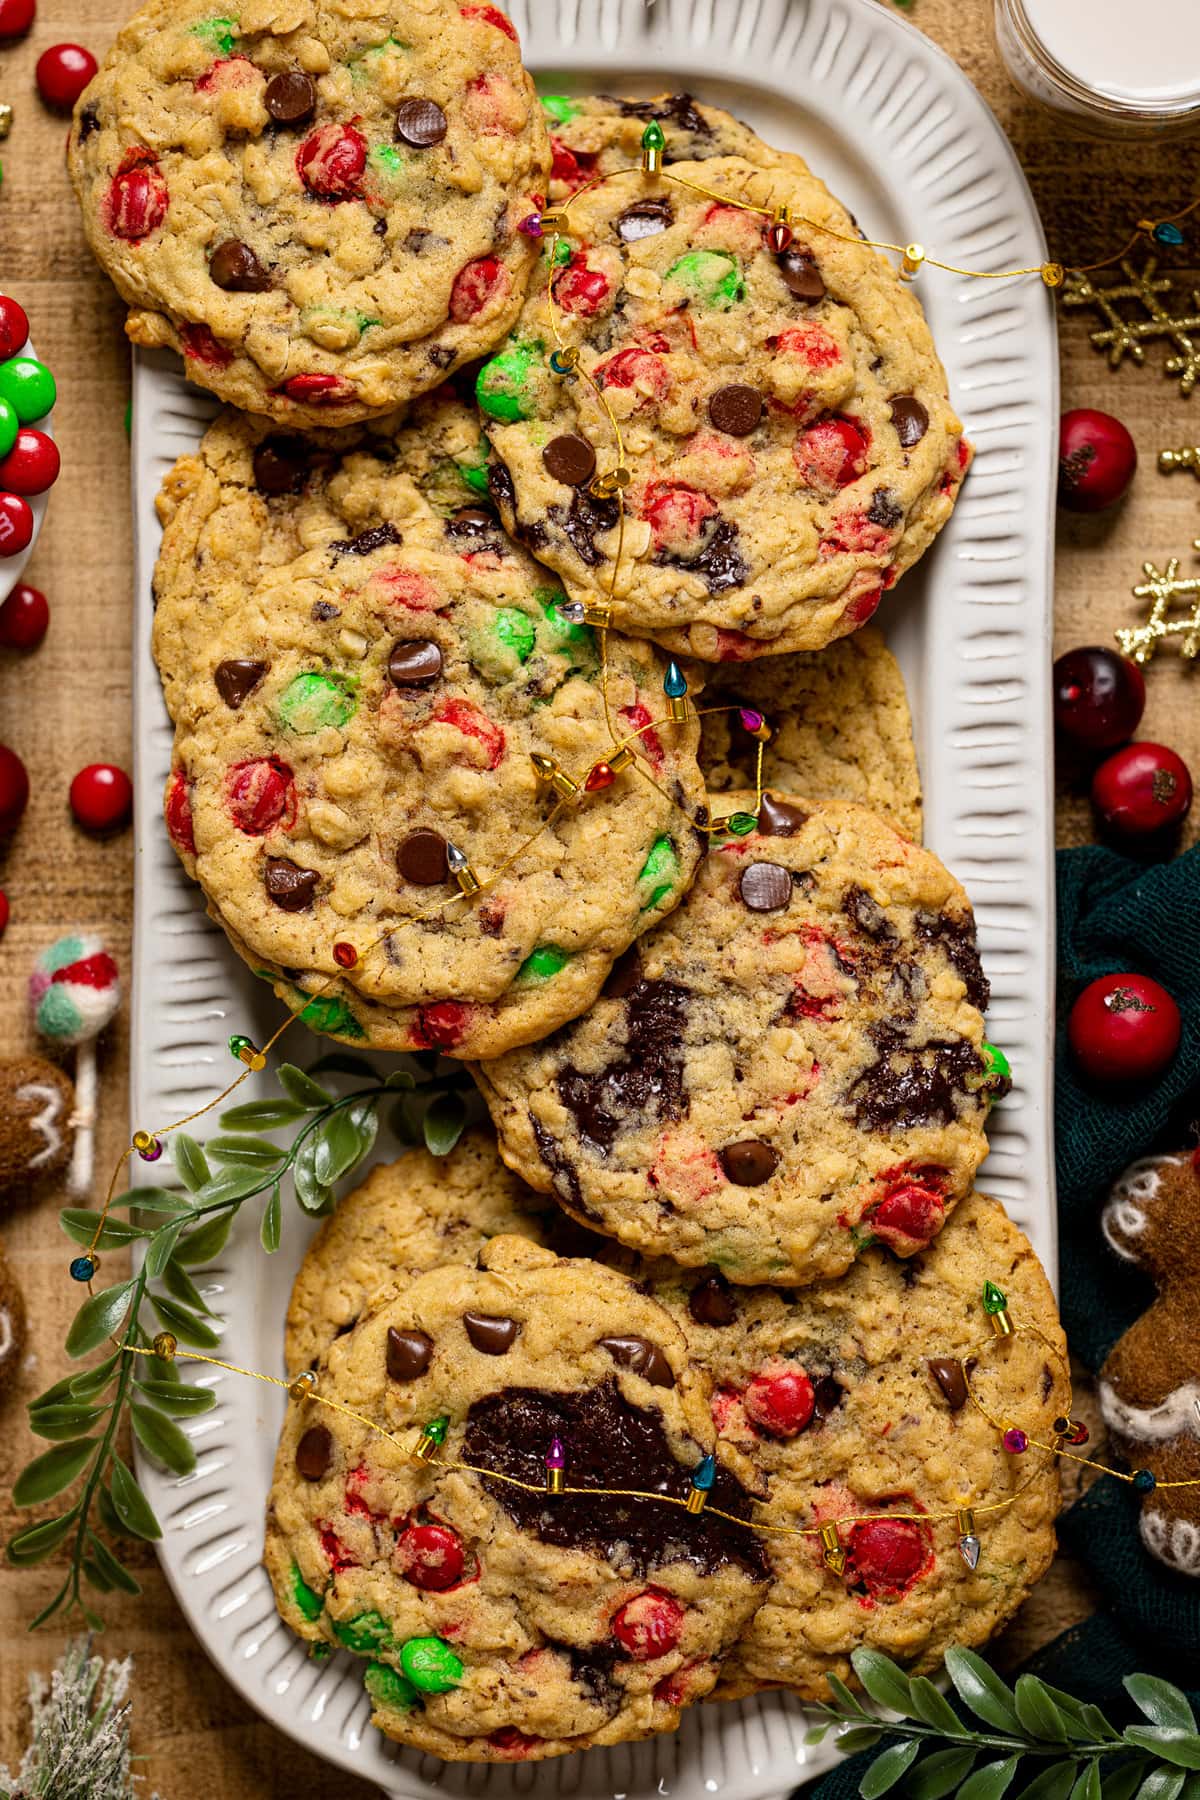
(74, 992)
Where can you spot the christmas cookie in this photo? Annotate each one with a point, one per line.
(840, 728)
(787, 1071)
(359, 684)
(595, 134)
(12, 1325)
(503, 1624)
(850, 1398)
(36, 1127)
(1150, 1384)
(407, 1217)
(318, 204)
(785, 422)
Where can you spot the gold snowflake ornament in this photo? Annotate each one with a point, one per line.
(1162, 587)
(1125, 335)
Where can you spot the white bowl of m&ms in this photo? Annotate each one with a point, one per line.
(29, 460)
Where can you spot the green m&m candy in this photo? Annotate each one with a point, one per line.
(474, 475)
(28, 387)
(218, 33)
(516, 631)
(308, 1601)
(659, 873)
(364, 1632)
(543, 962)
(430, 1664)
(327, 1014)
(502, 388)
(388, 1688)
(9, 427)
(310, 702)
(713, 279)
(551, 603)
(560, 107)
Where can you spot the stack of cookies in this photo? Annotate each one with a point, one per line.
(537, 450)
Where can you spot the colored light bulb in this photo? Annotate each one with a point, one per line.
(674, 685)
(652, 137)
(994, 1299)
(556, 1463)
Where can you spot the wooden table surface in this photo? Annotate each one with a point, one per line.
(69, 704)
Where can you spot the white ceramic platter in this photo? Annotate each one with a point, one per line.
(903, 138)
(13, 567)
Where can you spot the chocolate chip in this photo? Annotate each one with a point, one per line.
(582, 520)
(765, 886)
(234, 267)
(711, 1302)
(736, 408)
(490, 1333)
(749, 1162)
(291, 98)
(420, 123)
(236, 679)
(885, 509)
(948, 1372)
(910, 419)
(720, 564)
(414, 662)
(280, 465)
(314, 1452)
(570, 459)
(867, 915)
(801, 275)
(827, 1396)
(408, 1353)
(777, 818)
(419, 240)
(421, 858)
(292, 888)
(642, 1357)
(645, 218)
(89, 121)
(374, 538)
(324, 610)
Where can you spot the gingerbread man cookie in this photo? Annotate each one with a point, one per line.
(36, 1130)
(1150, 1384)
(12, 1324)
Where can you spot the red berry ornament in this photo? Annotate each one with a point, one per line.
(62, 73)
(1096, 460)
(32, 464)
(16, 16)
(649, 1625)
(16, 524)
(101, 797)
(779, 1401)
(430, 1556)
(1099, 697)
(1123, 1028)
(14, 326)
(14, 789)
(24, 618)
(1141, 791)
(889, 1555)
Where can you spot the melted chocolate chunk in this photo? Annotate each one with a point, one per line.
(419, 240)
(89, 121)
(624, 975)
(592, 1670)
(441, 355)
(711, 1301)
(421, 858)
(291, 97)
(501, 487)
(749, 1162)
(582, 520)
(801, 275)
(679, 107)
(565, 1176)
(324, 610)
(234, 267)
(292, 888)
(236, 679)
(914, 1084)
(720, 564)
(314, 1452)
(868, 916)
(957, 938)
(885, 509)
(570, 459)
(778, 818)
(473, 525)
(374, 538)
(645, 218)
(420, 123)
(827, 1396)
(642, 1357)
(414, 662)
(950, 1376)
(408, 1353)
(489, 1333)
(280, 465)
(612, 1444)
(647, 1079)
(910, 419)
(765, 886)
(735, 408)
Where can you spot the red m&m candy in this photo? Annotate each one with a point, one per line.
(649, 1625)
(101, 797)
(14, 789)
(780, 1401)
(32, 464)
(16, 524)
(889, 1555)
(62, 73)
(430, 1556)
(24, 618)
(14, 326)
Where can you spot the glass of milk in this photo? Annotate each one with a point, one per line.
(1124, 68)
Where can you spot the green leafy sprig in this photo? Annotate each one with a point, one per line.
(82, 1414)
(1075, 1753)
